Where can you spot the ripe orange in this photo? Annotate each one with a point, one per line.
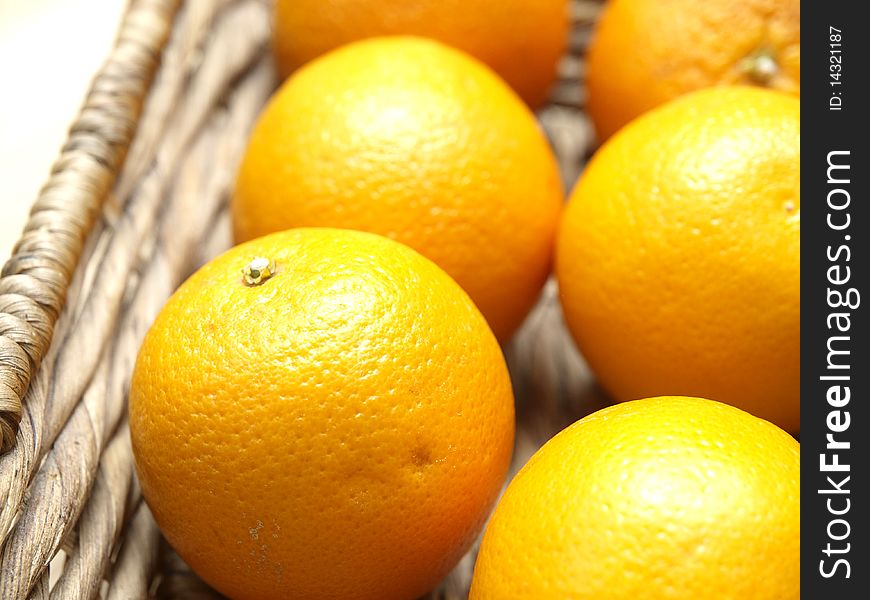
(340, 430)
(663, 498)
(416, 141)
(678, 257)
(521, 40)
(646, 52)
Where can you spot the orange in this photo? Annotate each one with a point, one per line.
(413, 140)
(522, 40)
(339, 430)
(658, 499)
(678, 257)
(646, 52)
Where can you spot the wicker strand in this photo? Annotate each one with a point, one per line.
(57, 494)
(230, 56)
(199, 191)
(40, 590)
(114, 262)
(204, 175)
(183, 53)
(63, 490)
(205, 172)
(137, 560)
(178, 581)
(100, 523)
(43, 261)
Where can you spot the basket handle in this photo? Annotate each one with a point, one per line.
(35, 279)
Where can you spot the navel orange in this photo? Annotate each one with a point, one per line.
(335, 423)
(658, 499)
(646, 52)
(522, 40)
(679, 254)
(419, 142)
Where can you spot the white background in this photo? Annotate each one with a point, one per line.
(49, 51)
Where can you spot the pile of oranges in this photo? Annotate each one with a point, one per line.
(324, 411)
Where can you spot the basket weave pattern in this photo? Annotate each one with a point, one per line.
(136, 201)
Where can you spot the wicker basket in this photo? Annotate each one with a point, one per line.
(136, 201)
